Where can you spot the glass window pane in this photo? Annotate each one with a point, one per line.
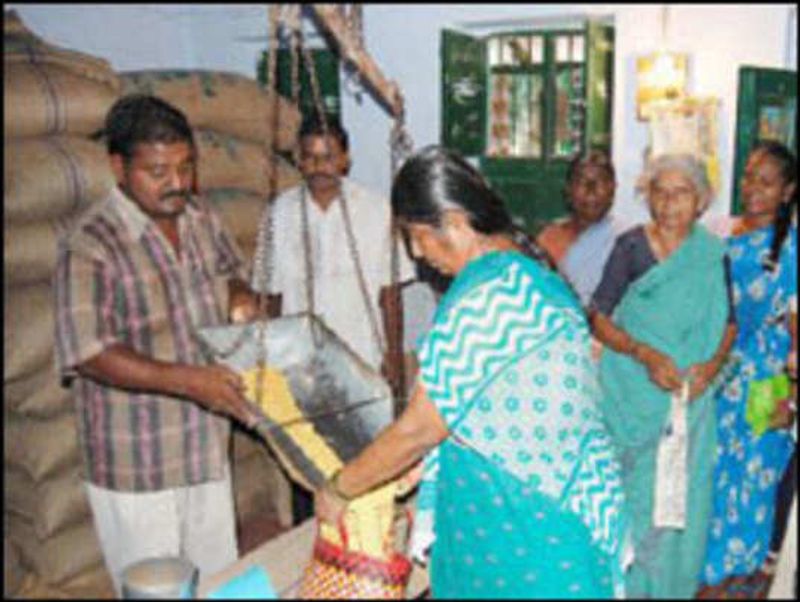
(569, 111)
(577, 49)
(537, 50)
(508, 52)
(499, 143)
(494, 52)
(523, 50)
(562, 49)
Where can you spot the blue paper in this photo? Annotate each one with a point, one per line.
(253, 584)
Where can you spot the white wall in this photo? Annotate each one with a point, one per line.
(404, 39)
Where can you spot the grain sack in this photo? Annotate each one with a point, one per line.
(39, 395)
(91, 583)
(240, 211)
(260, 487)
(41, 99)
(51, 176)
(60, 557)
(227, 161)
(221, 101)
(243, 444)
(51, 505)
(29, 329)
(41, 449)
(13, 573)
(20, 44)
(31, 249)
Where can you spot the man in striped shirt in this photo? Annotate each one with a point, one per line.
(136, 275)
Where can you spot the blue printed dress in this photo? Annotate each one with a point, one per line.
(524, 499)
(748, 468)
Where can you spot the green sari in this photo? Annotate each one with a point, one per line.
(680, 308)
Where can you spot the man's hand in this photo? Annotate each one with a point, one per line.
(244, 305)
(216, 388)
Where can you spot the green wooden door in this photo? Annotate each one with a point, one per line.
(767, 109)
(463, 80)
(326, 65)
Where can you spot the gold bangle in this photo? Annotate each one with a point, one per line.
(333, 482)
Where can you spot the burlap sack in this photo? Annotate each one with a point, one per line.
(91, 583)
(42, 98)
(20, 44)
(240, 211)
(31, 249)
(221, 101)
(29, 329)
(41, 449)
(51, 176)
(39, 395)
(243, 444)
(227, 161)
(13, 573)
(261, 488)
(51, 505)
(58, 558)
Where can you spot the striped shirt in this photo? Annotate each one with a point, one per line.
(119, 281)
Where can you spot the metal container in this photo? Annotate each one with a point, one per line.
(170, 578)
(346, 401)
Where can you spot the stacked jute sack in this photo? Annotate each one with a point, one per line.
(54, 101)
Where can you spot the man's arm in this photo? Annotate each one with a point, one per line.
(245, 305)
(216, 388)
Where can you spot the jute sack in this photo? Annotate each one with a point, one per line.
(60, 557)
(41, 99)
(244, 445)
(29, 329)
(13, 573)
(31, 249)
(91, 583)
(261, 488)
(221, 101)
(225, 161)
(20, 44)
(41, 449)
(240, 211)
(39, 395)
(50, 506)
(53, 175)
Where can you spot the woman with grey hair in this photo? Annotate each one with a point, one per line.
(663, 311)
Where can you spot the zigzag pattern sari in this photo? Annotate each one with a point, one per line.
(529, 465)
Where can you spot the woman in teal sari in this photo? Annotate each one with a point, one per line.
(521, 494)
(662, 310)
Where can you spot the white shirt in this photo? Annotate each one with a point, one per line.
(337, 295)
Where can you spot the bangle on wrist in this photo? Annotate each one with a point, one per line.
(333, 483)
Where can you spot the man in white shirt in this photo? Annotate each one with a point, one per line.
(332, 250)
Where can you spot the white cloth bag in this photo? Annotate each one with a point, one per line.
(669, 508)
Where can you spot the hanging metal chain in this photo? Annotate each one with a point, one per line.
(351, 242)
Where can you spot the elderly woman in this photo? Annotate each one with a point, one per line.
(518, 461)
(581, 243)
(763, 251)
(662, 309)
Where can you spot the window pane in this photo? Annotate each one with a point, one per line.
(577, 49)
(508, 52)
(494, 52)
(522, 47)
(537, 50)
(499, 135)
(569, 111)
(562, 49)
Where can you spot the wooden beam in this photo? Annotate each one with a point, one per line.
(387, 91)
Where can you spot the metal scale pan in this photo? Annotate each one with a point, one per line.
(345, 400)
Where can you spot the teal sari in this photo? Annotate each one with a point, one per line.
(679, 307)
(529, 466)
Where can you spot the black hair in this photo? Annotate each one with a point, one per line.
(140, 118)
(596, 157)
(313, 125)
(436, 179)
(783, 218)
